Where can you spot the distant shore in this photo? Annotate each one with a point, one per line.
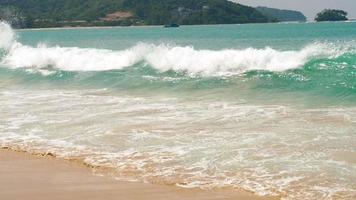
(26, 176)
(158, 26)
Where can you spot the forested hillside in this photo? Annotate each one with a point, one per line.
(283, 15)
(331, 15)
(51, 13)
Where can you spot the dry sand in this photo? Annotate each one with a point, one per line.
(29, 177)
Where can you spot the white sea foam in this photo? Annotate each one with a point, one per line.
(7, 36)
(205, 143)
(288, 150)
(161, 57)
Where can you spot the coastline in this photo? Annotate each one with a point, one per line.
(84, 27)
(27, 176)
(184, 110)
(137, 26)
(161, 26)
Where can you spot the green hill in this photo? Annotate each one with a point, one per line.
(283, 15)
(51, 13)
(331, 15)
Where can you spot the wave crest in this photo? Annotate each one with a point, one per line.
(7, 36)
(160, 57)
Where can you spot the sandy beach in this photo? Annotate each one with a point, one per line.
(233, 111)
(26, 176)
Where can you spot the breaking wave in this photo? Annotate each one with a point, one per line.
(189, 117)
(160, 57)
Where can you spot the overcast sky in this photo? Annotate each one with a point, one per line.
(308, 7)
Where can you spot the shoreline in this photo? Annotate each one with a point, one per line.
(135, 26)
(162, 26)
(26, 176)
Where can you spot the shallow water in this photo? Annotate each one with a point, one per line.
(273, 112)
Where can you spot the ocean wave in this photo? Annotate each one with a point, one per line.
(160, 57)
(7, 36)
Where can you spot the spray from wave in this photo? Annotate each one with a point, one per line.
(160, 57)
(7, 36)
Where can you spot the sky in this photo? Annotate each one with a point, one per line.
(309, 7)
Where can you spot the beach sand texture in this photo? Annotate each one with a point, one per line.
(25, 176)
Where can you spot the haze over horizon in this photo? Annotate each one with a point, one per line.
(309, 7)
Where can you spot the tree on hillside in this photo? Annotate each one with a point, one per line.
(331, 15)
(53, 13)
(11, 15)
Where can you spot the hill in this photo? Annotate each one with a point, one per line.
(331, 15)
(51, 13)
(283, 15)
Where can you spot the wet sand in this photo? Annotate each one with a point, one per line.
(25, 176)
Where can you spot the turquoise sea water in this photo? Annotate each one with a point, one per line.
(270, 108)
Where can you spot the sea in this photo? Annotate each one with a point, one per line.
(267, 108)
